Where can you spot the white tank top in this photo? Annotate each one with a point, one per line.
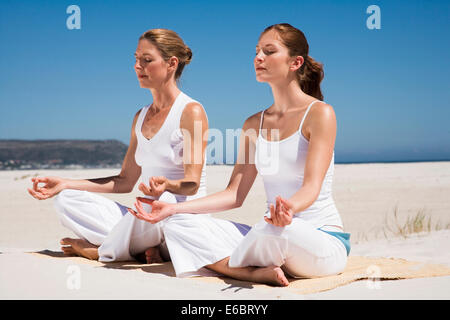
(282, 165)
(162, 155)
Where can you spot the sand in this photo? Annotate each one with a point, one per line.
(365, 194)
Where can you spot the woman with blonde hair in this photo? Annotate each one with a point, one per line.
(301, 234)
(165, 150)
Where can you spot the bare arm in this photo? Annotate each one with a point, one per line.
(194, 126)
(320, 152)
(121, 183)
(240, 183)
(322, 132)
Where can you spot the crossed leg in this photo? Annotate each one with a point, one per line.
(79, 247)
(272, 275)
(83, 248)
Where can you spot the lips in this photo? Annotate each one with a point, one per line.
(142, 76)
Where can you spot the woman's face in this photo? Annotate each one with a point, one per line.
(150, 67)
(272, 62)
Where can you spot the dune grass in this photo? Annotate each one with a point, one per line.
(395, 226)
(26, 176)
(418, 223)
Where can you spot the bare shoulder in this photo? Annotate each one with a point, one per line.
(321, 118)
(322, 110)
(193, 110)
(321, 113)
(133, 127)
(253, 121)
(136, 116)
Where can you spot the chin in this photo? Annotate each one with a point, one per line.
(260, 79)
(143, 85)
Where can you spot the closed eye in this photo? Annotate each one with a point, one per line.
(266, 52)
(146, 60)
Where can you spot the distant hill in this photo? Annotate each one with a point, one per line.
(24, 154)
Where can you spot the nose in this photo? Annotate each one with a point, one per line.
(137, 65)
(259, 57)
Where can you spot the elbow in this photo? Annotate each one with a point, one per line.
(237, 205)
(193, 191)
(237, 200)
(123, 189)
(123, 184)
(190, 188)
(128, 189)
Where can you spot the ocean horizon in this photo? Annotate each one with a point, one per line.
(81, 167)
(33, 156)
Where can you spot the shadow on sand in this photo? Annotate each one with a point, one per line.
(165, 268)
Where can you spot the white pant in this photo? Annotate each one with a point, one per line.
(191, 241)
(301, 249)
(198, 240)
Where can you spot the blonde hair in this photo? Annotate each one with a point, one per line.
(169, 44)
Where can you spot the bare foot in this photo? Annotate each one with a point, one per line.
(271, 275)
(153, 255)
(79, 247)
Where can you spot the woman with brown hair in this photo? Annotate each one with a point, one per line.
(301, 234)
(166, 149)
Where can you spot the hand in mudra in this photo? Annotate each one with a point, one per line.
(281, 214)
(156, 187)
(52, 186)
(159, 210)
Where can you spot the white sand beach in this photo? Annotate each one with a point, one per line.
(367, 195)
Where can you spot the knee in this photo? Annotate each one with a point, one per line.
(61, 205)
(66, 194)
(167, 197)
(265, 230)
(182, 224)
(64, 199)
(61, 195)
(265, 235)
(179, 220)
(313, 267)
(61, 199)
(170, 227)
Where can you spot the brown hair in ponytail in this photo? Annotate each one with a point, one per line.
(310, 74)
(169, 45)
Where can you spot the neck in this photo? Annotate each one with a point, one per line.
(164, 95)
(287, 95)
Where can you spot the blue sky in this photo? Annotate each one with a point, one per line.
(390, 87)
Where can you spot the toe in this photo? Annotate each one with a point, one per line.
(66, 241)
(68, 251)
(281, 277)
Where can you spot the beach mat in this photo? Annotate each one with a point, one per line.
(358, 268)
(370, 269)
